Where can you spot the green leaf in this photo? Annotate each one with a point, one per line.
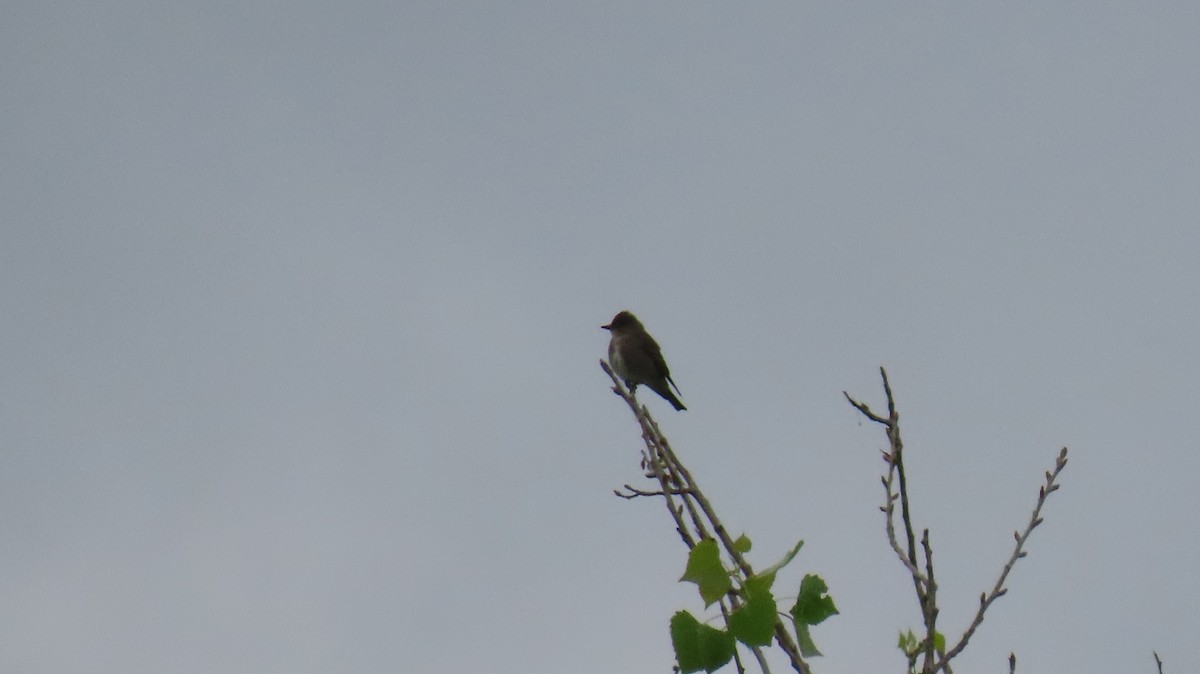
(783, 562)
(753, 622)
(698, 646)
(742, 544)
(759, 583)
(705, 570)
(812, 606)
(911, 646)
(807, 648)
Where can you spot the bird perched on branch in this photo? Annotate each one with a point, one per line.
(637, 359)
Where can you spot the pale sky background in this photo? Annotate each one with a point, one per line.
(301, 307)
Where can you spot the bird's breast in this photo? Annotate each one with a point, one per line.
(615, 359)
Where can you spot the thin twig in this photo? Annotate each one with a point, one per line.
(998, 590)
(929, 609)
(1157, 661)
(922, 582)
(890, 525)
(632, 492)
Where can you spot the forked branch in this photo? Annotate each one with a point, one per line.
(896, 488)
(681, 495)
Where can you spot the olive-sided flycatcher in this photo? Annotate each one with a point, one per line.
(637, 359)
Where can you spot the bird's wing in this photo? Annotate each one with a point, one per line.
(654, 353)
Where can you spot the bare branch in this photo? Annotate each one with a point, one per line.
(889, 510)
(998, 590)
(632, 492)
(896, 487)
(681, 495)
(866, 411)
(929, 609)
(922, 582)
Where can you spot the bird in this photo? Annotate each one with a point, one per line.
(637, 358)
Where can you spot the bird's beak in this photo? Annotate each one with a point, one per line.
(606, 327)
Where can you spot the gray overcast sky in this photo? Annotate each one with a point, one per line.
(301, 307)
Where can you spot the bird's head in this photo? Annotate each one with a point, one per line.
(622, 321)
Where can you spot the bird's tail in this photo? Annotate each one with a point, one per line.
(664, 390)
(675, 401)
